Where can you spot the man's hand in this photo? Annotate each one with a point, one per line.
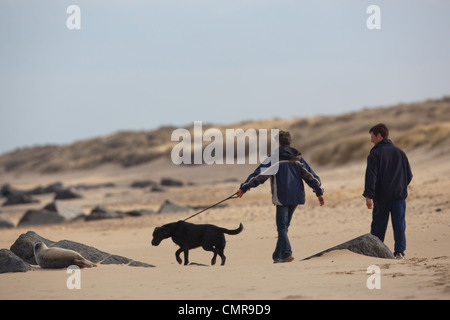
(321, 200)
(240, 193)
(369, 203)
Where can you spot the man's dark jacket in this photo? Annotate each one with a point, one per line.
(388, 173)
(286, 176)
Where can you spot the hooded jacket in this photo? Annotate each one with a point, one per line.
(388, 173)
(286, 169)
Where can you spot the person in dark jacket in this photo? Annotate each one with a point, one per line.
(286, 170)
(388, 175)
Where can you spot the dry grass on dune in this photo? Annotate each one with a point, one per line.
(327, 140)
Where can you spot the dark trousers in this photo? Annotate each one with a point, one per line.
(283, 219)
(380, 219)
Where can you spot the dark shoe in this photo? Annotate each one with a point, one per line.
(287, 259)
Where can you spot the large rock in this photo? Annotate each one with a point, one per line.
(53, 187)
(143, 184)
(68, 211)
(19, 198)
(9, 262)
(100, 212)
(171, 182)
(169, 206)
(39, 217)
(53, 213)
(67, 193)
(23, 247)
(367, 244)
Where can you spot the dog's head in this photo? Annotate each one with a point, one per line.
(159, 234)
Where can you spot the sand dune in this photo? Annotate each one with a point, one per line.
(327, 140)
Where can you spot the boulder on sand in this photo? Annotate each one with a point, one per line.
(367, 244)
(100, 212)
(54, 212)
(69, 212)
(21, 198)
(169, 206)
(169, 182)
(67, 193)
(23, 247)
(9, 262)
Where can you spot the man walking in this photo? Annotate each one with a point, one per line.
(388, 175)
(287, 189)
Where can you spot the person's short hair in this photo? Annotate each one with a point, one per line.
(380, 128)
(284, 138)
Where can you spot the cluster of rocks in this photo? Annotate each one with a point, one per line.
(14, 196)
(20, 257)
(158, 187)
(60, 212)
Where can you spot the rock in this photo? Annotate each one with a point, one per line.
(84, 186)
(54, 187)
(53, 213)
(5, 221)
(367, 244)
(157, 189)
(115, 259)
(169, 206)
(171, 182)
(67, 193)
(23, 247)
(68, 211)
(39, 217)
(9, 262)
(7, 190)
(140, 264)
(19, 198)
(143, 184)
(138, 213)
(101, 212)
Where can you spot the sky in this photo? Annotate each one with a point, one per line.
(139, 65)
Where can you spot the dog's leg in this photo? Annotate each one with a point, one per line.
(177, 255)
(186, 257)
(222, 256)
(213, 260)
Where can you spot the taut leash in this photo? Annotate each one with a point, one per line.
(233, 196)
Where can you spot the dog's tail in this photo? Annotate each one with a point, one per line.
(235, 231)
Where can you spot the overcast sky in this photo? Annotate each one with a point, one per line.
(137, 65)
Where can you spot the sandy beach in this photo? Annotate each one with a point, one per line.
(249, 272)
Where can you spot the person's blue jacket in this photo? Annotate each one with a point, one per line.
(286, 176)
(388, 173)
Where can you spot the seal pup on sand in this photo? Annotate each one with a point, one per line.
(58, 257)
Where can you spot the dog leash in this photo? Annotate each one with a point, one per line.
(233, 196)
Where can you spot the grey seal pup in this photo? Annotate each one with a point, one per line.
(58, 257)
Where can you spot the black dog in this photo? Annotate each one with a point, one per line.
(190, 236)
